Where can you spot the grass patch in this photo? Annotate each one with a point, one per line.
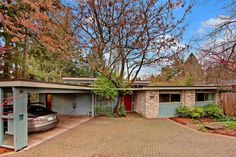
(201, 127)
(230, 124)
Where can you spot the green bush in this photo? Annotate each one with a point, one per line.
(122, 111)
(184, 111)
(197, 112)
(227, 118)
(104, 110)
(213, 111)
(187, 112)
(230, 124)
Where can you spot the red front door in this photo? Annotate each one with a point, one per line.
(128, 102)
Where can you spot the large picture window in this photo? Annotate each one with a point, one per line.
(204, 96)
(165, 98)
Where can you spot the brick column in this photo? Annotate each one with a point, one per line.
(217, 98)
(152, 104)
(188, 98)
(147, 103)
(139, 102)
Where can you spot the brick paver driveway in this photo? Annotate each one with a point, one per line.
(133, 136)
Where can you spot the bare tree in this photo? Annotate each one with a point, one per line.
(118, 38)
(220, 44)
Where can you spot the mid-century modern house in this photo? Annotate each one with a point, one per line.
(160, 101)
(75, 97)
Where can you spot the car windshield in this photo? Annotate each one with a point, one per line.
(39, 110)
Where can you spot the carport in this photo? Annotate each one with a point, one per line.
(21, 89)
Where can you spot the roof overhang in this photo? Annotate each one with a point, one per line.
(178, 88)
(39, 84)
(81, 80)
(64, 86)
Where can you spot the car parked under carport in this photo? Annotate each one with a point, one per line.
(20, 90)
(39, 118)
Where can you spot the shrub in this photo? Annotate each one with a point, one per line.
(227, 118)
(122, 111)
(197, 112)
(104, 110)
(230, 124)
(213, 111)
(184, 111)
(187, 112)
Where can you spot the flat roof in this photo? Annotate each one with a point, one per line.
(39, 84)
(178, 88)
(50, 85)
(92, 79)
(79, 78)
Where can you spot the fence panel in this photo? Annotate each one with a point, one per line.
(229, 103)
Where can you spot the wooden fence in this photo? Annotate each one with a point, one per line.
(229, 103)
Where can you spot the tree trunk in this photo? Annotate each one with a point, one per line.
(6, 70)
(120, 102)
(25, 64)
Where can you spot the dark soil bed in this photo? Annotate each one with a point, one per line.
(5, 150)
(193, 124)
(228, 132)
(183, 121)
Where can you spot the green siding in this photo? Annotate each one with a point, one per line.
(168, 109)
(203, 103)
(63, 103)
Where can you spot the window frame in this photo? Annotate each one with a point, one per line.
(205, 93)
(170, 96)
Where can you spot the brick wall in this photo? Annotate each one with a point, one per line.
(139, 102)
(188, 98)
(152, 104)
(146, 103)
(217, 98)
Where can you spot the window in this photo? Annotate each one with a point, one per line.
(204, 97)
(209, 97)
(175, 97)
(164, 97)
(200, 96)
(169, 98)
